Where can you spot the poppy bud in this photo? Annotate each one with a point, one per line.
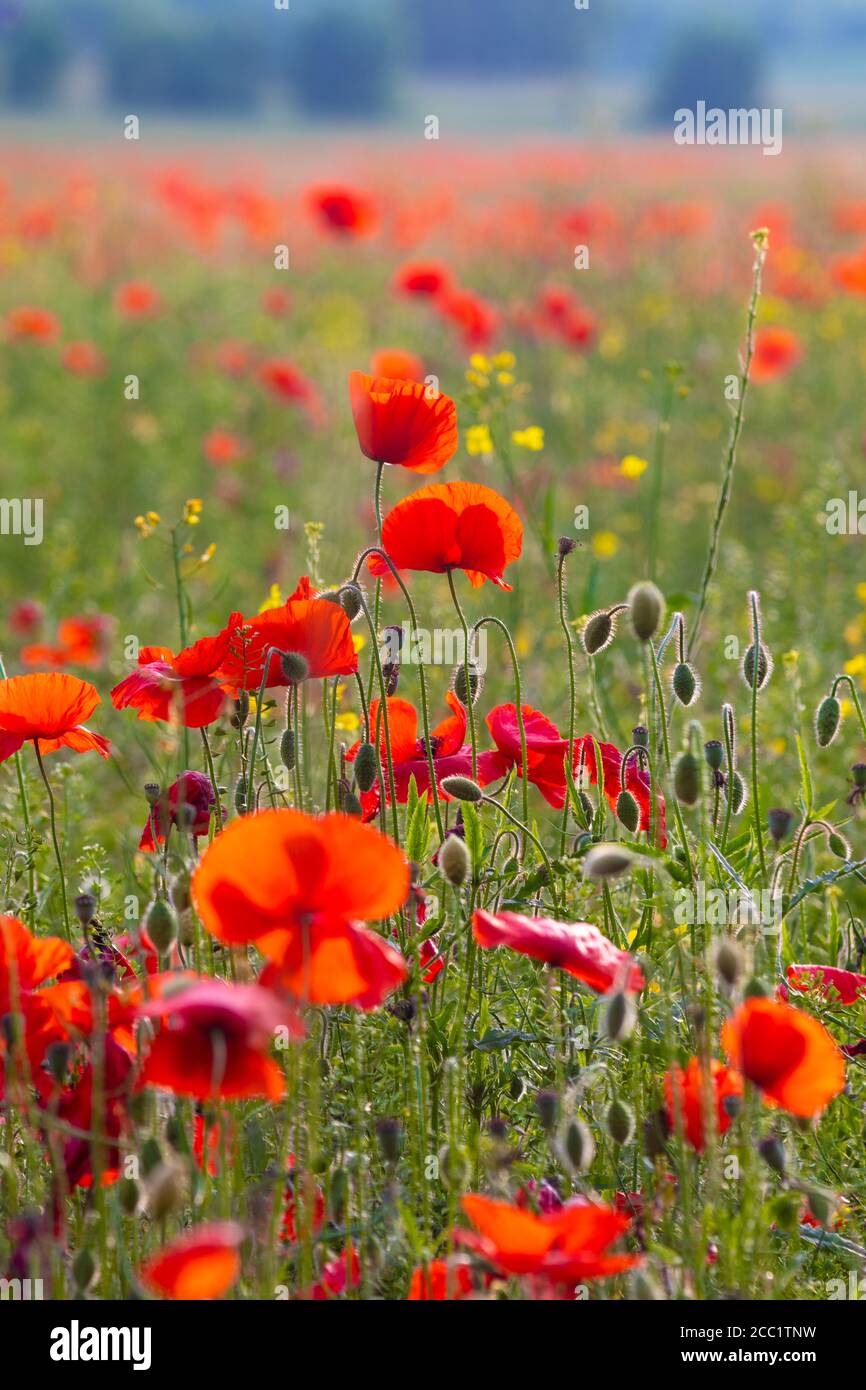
(586, 806)
(598, 632)
(687, 779)
(351, 601)
(461, 788)
(179, 891)
(579, 1144)
(732, 1105)
(287, 749)
(295, 667)
(607, 861)
(754, 989)
(160, 924)
(454, 862)
(466, 683)
(85, 908)
(647, 609)
(83, 1269)
(772, 1151)
(366, 767)
(241, 711)
(628, 811)
(685, 684)
(730, 960)
(827, 720)
(453, 1167)
(241, 795)
(390, 1135)
(838, 845)
(349, 803)
(640, 736)
(547, 1105)
(765, 666)
(164, 1190)
(152, 793)
(619, 1016)
(714, 753)
(736, 793)
(779, 821)
(620, 1122)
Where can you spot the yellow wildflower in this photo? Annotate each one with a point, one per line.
(632, 466)
(530, 438)
(605, 545)
(478, 440)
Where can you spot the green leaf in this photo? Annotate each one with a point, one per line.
(497, 1039)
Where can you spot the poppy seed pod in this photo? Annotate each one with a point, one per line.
(160, 924)
(765, 666)
(466, 683)
(599, 631)
(779, 822)
(295, 667)
(366, 767)
(828, 718)
(687, 779)
(454, 862)
(565, 545)
(461, 789)
(287, 749)
(620, 1122)
(627, 811)
(640, 736)
(685, 684)
(730, 960)
(579, 1144)
(619, 1016)
(714, 753)
(152, 793)
(647, 606)
(607, 861)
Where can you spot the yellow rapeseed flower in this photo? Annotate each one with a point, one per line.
(478, 440)
(632, 466)
(530, 438)
(505, 361)
(605, 545)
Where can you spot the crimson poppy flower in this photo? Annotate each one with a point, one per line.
(776, 351)
(287, 383)
(424, 279)
(546, 749)
(578, 948)
(685, 1096)
(188, 688)
(136, 299)
(203, 1263)
(192, 790)
(214, 1039)
(26, 617)
(290, 1227)
(337, 1276)
(845, 985)
(788, 1054)
(83, 359)
(49, 709)
(447, 526)
(80, 642)
(298, 886)
(403, 422)
(397, 365)
(636, 780)
(74, 1107)
(28, 322)
(314, 628)
(569, 1246)
(440, 1282)
(343, 211)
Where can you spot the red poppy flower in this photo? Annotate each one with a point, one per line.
(338, 1275)
(344, 211)
(849, 272)
(28, 322)
(190, 789)
(403, 422)
(397, 365)
(27, 964)
(569, 1246)
(440, 1282)
(845, 985)
(136, 300)
(187, 689)
(578, 948)
(214, 1039)
(290, 1227)
(636, 780)
(546, 749)
(476, 320)
(297, 886)
(83, 359)
(785, 1052)
(446, 526)
(284, 381)
(685, 1096)
(316, 629)
(201, 1264)
(25, 617)
(776, 351)
(80, 642)
(49, 709)
(74, 1107)
(222, 448)
(426, 279)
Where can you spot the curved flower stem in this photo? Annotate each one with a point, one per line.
(57, 854)
(467, 658)
(756, 810)
(518, 703)
(837, 681)
(491, 801)
(181, 617)
(212, 775)
(572, 698)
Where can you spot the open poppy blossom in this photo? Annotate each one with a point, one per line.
(80, 642)
(844, 985)
(203, 1263)
(214, 1039)
(315, 629)
(136, 299)
(546, 749)
(578, 948)
(685, 1096)
(788, 1054)
(343, 211)
(48, 709)
(191, 790)
(440, 1282)
(333, 963)
(405, 422)
(338, 1275)
(36, 324)
(448, 526)
(424, 279)
(287, 383)
(476, 319)
(83, 359)
(187, 689)
(776, 351)
(27, 964)
(569, 1246)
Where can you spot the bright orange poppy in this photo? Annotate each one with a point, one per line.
(48, 708)
(201, 1264)
(440, 1283)
(568, 1246)
(136, 299)
(314, 628)
(684, 1095)
(397, 365)
(447, 526)
(787, 1053)
(29, 322)
(403, 422)
(188, 688)
(776, 351)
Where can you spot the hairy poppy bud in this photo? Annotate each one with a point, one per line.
(765, 666)
(152, 793)
(598, 632)
(466, 683)
(454, 862)
(827, 720)
(461, 788)
(656, 1132)
(754, 989)
(647, 607)
(607, 861)
(129, 1195)
(295, 667)
(586, 806)
(714, 753)
(287, 749)
(85, 908)
(620, 1122)
(838, 845)
(241, 711)
(685, 684)
(772, 1151)
(547, 1105)
(640, 736)
(349, 803)
(687, 779)
(822, 1204)
(366, 767)
(160, 924)
(241, 795)
(165, 1189)
(779, 821)
(628, 811)
(730, 960)
(737, 793)
(579, 1144)
(179, 891)
(619, 1016)
(351, 601)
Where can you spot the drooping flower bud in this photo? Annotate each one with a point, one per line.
(366, 767)
(838, 845)
(772, 1151)
(160, 923)
(730, 960)
(828, 718)
(287, 749)
(461, 788)
(240, 797)
(85, 908)
(685, 683)
(466, 683)
(599, 631)
(349, 803)
(547, 1105)
(295, 667)
(647, 605)
(351, 601)
(779, 822)
(737, 793)
(620, 1122)
(241, 710)
(619, 1016)
(765, 666)
(579, 1144)
(607, 861)
(628, 811)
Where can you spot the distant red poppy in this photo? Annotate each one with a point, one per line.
(214, 1039)
(83, 359)
(222, 448)
(192, 790)
(578, 948)
(569, 1246)
(290, 1226)
(287, 383)
(849, 272)
(403, 422)
(397, 365)
(776, 351)
(136, 299)
(446, 526)
(844, 985)
(48, 709)
(476, 320)
(80, 642)
(785, 1052)
(424, 279)
(29, 322)
(685, 1097)
(440, 1282)
(26, 617)
(276, 302)
(343, 211)
(188, 689)
(314, 628)
(203, 1263)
